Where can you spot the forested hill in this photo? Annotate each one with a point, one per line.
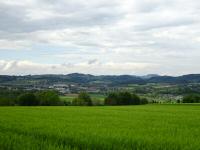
(102, 79)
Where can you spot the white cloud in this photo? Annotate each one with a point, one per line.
(13, 45)
(27, 67)
(128, 33)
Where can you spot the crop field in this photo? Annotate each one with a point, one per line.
(94, 97)
(69, 97)
(146, 127)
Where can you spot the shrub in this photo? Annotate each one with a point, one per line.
(27, 99)
(191, 98)
(135, 99)
(111, 99)
(83, 99)
(49, 98)
(143, 101)
(9, 97)
(97, 102)
(124, 98)
(7, 101)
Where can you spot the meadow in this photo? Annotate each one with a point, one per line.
(144, 127)
(95, 98)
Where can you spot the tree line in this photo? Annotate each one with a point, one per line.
(191, 98)
(51, 98)
(23, 98)
(114, 98)
(124, 98)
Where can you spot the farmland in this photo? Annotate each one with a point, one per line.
(95, 97)
(148, 127)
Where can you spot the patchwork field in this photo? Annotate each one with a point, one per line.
(147, 127)
(95, 98)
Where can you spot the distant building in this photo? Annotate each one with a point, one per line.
(62, 88)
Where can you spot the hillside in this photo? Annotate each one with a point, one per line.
(102, 79)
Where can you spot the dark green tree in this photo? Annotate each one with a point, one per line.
(83, 99)
(123, 98)
(191, 98)
(49, 98)
(111, 99)
(28, 99)
(135, 100)
(143, 101)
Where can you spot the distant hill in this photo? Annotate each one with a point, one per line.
(149, 76)
(191, 78)
(102, 79)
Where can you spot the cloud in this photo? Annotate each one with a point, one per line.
(12, 45)
(25, 67)
(36, 15)
(90, 32)
(92, 61)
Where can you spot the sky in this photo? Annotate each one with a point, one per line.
(100, 37)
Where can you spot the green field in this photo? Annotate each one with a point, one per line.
(68, 98)
(148, 127)
(94, 97)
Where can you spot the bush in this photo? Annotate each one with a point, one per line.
(49, 98)
(83, 99)
(111, 99)
(18, 97)
(191, 98)
(124, 98)
(135, 100)
(9, 97)
(97, 102)
(28, 99)
(143, 101)
(6, 101)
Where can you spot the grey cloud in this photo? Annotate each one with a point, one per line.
(93, 61)
(159, 31)
(14, 18)
(166, 24)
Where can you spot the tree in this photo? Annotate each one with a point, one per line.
(143, 101)
(28, 99)
(191, 98)
(83, 99)
(49, 98)
(123, 98)
(6, 101)
(9, 97)
(111, 99)
(135, 99)
(178, 101)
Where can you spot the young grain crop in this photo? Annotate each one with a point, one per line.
(147, 127)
